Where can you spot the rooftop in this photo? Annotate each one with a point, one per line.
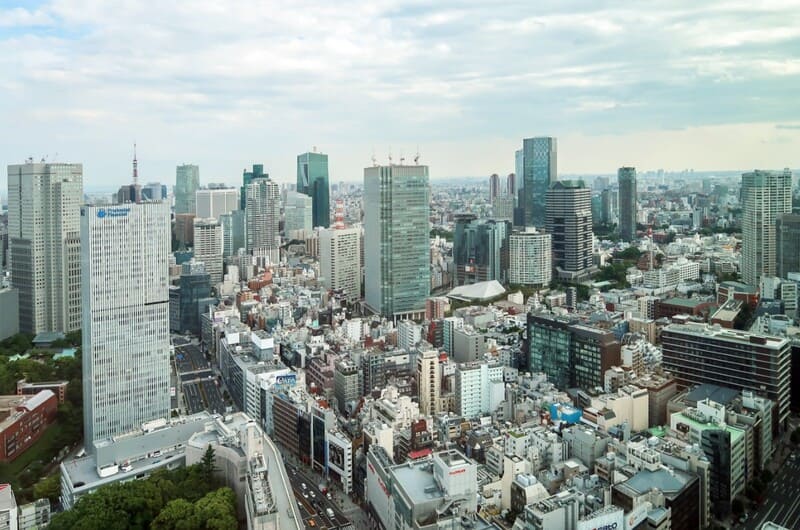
(477, 291)
(717, 394)
(670, 482)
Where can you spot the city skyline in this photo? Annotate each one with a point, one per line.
(712, 82)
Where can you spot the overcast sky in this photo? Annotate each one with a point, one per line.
(224, 84)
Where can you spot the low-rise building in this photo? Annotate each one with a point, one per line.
(24, 420)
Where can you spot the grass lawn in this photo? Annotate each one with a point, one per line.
(42, 450)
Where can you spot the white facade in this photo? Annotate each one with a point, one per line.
(263, 213)
(215, 202)
(530, 258)
(125, 302)
(409, 334)
(340, 260)
(44, 244)
(479, 388)
(208, 246)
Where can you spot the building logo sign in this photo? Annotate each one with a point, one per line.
(102, 213)
(458, 471)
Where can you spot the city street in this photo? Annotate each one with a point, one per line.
(316, 509)
(782, 505)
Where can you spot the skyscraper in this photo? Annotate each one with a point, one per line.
(208, 246)
(340, 260)
(530, 258)
(569, 223)
(125, 303)
(764, 196)
(298, 213)
(233, 232)
(312, 180)
(44, 244)
(480, 249)
(213, 202)
(626, 177)
(187, 182)
(263, 212)
(428, 382)
(511, 184)
(787, 243)
(247, 178)
(397, 239)
(539, 172)
(494, 186)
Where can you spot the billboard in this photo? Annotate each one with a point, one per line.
(606, 520)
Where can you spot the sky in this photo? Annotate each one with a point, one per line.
(225, 84)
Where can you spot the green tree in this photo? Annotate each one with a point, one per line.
(48, 488)
(178, 514)
(206, 465)
(218, 510)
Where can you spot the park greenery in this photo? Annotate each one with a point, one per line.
(616, 272)
(40, 460)
(184, 498)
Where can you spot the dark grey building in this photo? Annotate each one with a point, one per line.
(480, 249)
(626, 177)
(569, 222)
(787, 244)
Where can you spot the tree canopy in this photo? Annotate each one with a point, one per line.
(179, 499)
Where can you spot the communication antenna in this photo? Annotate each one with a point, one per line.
(402, 158)
(416, 157)
(135, 166)
(390, 155)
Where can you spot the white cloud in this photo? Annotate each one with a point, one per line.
(260, 80)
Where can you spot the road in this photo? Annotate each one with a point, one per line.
(783, 501)
(313, 504)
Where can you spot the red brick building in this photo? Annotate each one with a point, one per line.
(59, 388)
(23, 420)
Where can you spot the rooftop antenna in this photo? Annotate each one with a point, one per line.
(390, 155)
(402, 158)
(416, 157)
(135, 166)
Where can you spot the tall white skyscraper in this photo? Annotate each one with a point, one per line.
(208, 246)
(765, 195)
(530, 258)
(263, 213)
(340, 260)
(44, 203)
(213, 202)
(125, 302)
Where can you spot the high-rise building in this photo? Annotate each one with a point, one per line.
(539, 172)
(208, 246)
(608, 206)
(530, 258)
(428, 382)
(764, 196)
(626, 177)
(569, 222)
(312, 180)
(503, 208)
(233, 232)
(494, 186)
(247, 178)
(396, 239)
(787, 244)
(697, 354)
(480, 249)
(154, 191)
(44, 244)
(187, 182)
(340, 260)
(511, 184)
(125, 302)
(263, 213)
(213, 202)
(298, 213)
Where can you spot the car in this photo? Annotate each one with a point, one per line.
(311, 523)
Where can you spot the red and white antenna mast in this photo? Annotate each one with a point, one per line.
(338, 215)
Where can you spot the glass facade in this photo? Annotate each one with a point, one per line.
(539, 171)
(187, 182)
(312, 180)
(247, 178)
(480, 249)
(396, 239)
